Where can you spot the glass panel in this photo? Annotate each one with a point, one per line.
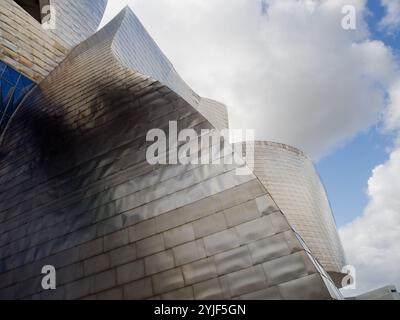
(5, 90)
(10, 75)
(2, 67)
(10, 80)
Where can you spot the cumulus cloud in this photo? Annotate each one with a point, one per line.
(372, 240)
(285, 68)
(391, 21)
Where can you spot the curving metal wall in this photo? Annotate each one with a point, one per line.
(135, 49)
(76, 192)
(76, 20)
(290, 177)
(215, 112)
(25, 45)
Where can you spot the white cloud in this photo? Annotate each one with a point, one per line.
(393, 110)
(293, 74)
(372, 240)
(391, 21)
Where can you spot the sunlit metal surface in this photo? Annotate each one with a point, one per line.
(33, 48)
(142, 54)
(76, 20)
(25, 45)
(293, 182)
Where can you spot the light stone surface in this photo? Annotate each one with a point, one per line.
(35, 51)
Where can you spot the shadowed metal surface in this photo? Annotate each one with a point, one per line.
(78, 193)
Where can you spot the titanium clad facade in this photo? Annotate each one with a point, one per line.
(293, 182)
(136, 50)
(77, 192)
(215, 112)
(78, 19)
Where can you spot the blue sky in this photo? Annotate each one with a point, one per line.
(346, 171)
(377, 13)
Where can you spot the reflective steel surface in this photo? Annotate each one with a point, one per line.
(293, 182)
(76, 20)
(136, 50)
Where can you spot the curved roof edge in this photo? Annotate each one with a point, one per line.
(283, 146)
(75, 21)
(136, 50)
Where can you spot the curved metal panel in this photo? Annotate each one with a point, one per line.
(215, 112)
(291, 179)
(136, 50)
(76, 20)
